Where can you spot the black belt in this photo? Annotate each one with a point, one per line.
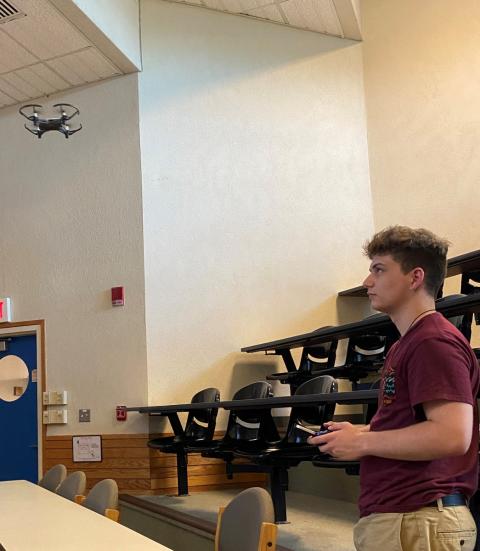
(452, 500)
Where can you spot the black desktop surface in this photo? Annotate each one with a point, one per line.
(376, 324)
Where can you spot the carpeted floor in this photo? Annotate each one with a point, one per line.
(315, 523)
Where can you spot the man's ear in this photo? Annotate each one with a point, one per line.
(417, 278)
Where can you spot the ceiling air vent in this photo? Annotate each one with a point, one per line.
(8, 11)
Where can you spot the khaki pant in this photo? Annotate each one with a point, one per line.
(428, 529)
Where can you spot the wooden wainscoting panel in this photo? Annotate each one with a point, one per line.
(204, 474)
(139, 470)
(125, 458)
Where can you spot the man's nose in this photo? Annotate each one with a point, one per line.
(367, 282)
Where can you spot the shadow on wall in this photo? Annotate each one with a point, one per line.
(228, 375)
(201, 49)
(236, 370)
(350, 309)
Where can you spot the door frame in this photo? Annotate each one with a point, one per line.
(37, 328)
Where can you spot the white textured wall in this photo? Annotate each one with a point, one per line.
(422, 61)
(119, 20)
(256, 190)
(71, 228)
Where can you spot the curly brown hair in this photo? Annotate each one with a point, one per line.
(413, 248)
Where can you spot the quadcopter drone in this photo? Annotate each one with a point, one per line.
(41, 125)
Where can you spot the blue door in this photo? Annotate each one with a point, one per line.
(18, 410)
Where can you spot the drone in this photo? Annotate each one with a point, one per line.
(41, 125)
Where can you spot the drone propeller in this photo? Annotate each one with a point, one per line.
(35, 130)
(67, 131)
(65, 116)
(34, 116)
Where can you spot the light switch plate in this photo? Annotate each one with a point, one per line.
(84, 416)
(55, 417)
(55, 397)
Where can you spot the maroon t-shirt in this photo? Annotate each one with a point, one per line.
(432, 361)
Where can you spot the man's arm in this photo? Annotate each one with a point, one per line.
(446, 432)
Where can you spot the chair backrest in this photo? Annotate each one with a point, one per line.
(366, 350)
(53, 477)
(104, 495)
(250, 425)
(73, 485)
(311, 416)
(200, 426)
(320, 356)
(247, 523)
(462, 322)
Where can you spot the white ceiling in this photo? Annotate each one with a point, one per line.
(42, 52)
(334, 17)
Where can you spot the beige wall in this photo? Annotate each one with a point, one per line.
(256, 190)
(256, 193)
(70, 229)
(119, 21)
(422, 61)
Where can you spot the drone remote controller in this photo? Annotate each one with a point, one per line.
(312, 432)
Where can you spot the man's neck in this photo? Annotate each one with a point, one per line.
(410, 313)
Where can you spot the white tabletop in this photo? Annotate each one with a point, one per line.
(35, 519)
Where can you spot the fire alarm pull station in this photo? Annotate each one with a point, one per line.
(5, 309)
(118, 296)
(121, 413)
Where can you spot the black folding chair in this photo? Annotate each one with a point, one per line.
(314, 360)
(197, 436)
(277, 458)
(246, 428)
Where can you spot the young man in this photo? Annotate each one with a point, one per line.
(419, 455)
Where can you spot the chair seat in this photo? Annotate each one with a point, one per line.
(200, 447)
(219, 452)
(291, 455)
(172, 444)
(328, 462)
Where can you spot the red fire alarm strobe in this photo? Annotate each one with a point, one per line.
(118, 296)
(121, 413)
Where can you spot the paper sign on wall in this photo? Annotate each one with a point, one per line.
(87, 448)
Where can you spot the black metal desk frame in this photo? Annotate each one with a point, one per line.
(278, 486)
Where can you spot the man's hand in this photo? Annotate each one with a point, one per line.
(446, 432)
(344, 442)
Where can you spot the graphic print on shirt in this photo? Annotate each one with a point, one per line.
(388, 385)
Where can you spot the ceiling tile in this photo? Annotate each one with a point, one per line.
(12, 91)
(6, 100)
(271, 13)
(216, 5)
(18, 82)
(13, 55)
(48, 75)
(62, 68)
(241, 6)
(44, 32)
(316, 15)
(37, 82)
(96, 62)
(85, 66)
